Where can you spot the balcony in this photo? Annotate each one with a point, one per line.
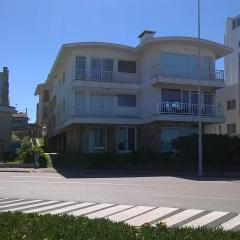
(186, 76)
(105, 76)
(176, 111)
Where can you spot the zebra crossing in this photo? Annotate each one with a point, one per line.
(130, 214)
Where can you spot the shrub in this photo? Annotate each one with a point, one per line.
(28, 152)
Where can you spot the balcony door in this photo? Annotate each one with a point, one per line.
(101, 69)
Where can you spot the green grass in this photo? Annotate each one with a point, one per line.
(48, 227)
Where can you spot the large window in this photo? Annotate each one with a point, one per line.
(126, 139)
(126, 66)
(126, 100)
(171, 95)
(97, 139)
(80, 72)
(231, 104)
(180, 65)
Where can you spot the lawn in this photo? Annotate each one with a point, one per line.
(48, 227)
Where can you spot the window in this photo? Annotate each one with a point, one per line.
(231, 104)
(80, 72)
(231, 129)
(171, 95)
(185, 97)
(194, 97)
(126, 66)
(208, 98)
(102, 69)
(238, 44)
(126, 139)
(96, 139)
(126, 100)
(234, 24)
(45, 112)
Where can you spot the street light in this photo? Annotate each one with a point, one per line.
(200, 160)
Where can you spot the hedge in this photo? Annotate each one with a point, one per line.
(220, 152)
(53, 227)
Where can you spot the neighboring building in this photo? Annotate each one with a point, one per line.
(20, 122)
(4, 87)
(228, 97)
(232, 61)
(117, 98)
(5, 113)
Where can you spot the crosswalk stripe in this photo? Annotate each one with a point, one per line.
(206, 219)
(232, 223)
(150, 216)
(36, 210)
(179, 217)
(17, 204)
(66, 209)
(31, 206)
(11, 201)
(108, 211)
(132, 212)
(90, 209)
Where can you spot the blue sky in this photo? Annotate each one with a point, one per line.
(32, 31)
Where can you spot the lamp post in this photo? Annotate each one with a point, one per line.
(200, 160)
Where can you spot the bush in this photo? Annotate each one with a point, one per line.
(51, 227)
(220, 152)
(28, 152)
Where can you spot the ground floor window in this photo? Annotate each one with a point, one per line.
(97, 139)
(231, 129)
(126, 139)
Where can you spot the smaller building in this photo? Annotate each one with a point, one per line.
(228, 97)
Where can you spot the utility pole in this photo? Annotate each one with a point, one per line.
(200, 160)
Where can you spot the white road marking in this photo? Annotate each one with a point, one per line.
(231, 223)
(17, 204)
(197, 197)
(179, 217)
(62, 210)
(204, 220)
(150, 216)
(36, 210)
(36, 176)
(90, 209)
(108, 211)
(122, 216)
(9, 201)
(31, 206)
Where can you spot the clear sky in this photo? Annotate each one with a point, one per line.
(32, 31)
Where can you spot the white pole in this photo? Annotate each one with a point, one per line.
(200, 170)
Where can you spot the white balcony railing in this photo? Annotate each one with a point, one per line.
(105, 76)
(189, 73)
(177, 108)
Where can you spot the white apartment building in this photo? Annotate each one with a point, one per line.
(228, 97)
(117, 98)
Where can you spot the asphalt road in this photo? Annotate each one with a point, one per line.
(205, 194)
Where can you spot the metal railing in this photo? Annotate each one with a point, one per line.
(178, 108)
(105, 76)
(182, 72)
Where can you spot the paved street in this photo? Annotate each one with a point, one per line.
(218, 195)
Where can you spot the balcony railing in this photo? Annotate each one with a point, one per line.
(189, 73)
(105, 76)
(177, 108)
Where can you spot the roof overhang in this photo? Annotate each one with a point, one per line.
(39, 89)
(219, 50)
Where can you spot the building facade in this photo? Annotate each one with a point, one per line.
(116, 98)
(5, 113)
(228, 97)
